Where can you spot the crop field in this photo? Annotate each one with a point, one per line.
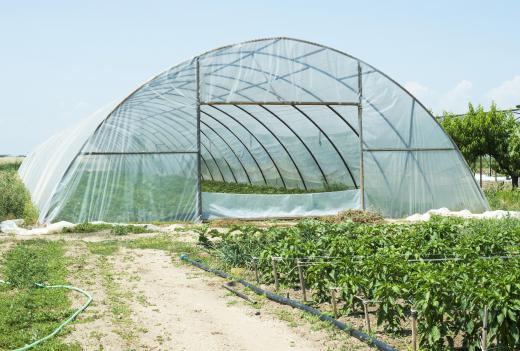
(449, 270)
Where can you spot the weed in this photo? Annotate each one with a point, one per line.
(358, 216)
(104, 248)
(99, 227)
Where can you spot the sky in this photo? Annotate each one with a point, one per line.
(62, 60)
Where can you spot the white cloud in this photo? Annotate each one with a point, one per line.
(507, 94)
(421, 92)
(454, 100)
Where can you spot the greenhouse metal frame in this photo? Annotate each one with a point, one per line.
(275, 112)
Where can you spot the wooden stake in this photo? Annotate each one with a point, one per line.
(255, 264)
(275, 272)
(414, 329)
(333, 299)
(367, 319)
(302, 280)
(485, 329)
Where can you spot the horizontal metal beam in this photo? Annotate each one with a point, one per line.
(139, 153)
(288, 103)
(411, 149)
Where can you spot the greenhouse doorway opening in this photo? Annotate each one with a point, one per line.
(279, 159)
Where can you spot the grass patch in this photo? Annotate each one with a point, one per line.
(10, 166)
(28, 313)
(212, 186)
(104, 248)
(502, 197)
(99, 227)
(119, 308)
(163, 242)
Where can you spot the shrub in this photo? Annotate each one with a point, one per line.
(15, 200)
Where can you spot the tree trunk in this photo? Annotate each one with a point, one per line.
(514, 181)
(481, 171)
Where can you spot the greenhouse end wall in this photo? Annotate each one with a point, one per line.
(273, 113)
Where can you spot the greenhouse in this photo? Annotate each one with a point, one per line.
(262, 129)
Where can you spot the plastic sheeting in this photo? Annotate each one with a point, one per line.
(251, 206)
(277, 112)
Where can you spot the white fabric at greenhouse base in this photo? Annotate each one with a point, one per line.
(253, 206)
(138, 160)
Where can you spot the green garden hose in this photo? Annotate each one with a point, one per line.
(67, 321)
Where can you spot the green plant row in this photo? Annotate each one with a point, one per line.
(213, 186)
(391, 263)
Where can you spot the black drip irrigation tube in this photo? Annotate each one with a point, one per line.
(283, 300)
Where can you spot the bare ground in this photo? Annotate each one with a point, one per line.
(146, 299)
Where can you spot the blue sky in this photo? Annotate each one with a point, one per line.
(61, 60)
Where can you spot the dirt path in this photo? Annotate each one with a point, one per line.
(145, 300)
(182, 311)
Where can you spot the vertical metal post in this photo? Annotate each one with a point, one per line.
(199, 168)
(360, 132)
(485, 329)
(367, 317)
(255, 264)
(302, 280)
(275, 272)
(414, 329)
(334, 301)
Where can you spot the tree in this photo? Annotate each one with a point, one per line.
(495, 133)
(467, 132)
(509, 159)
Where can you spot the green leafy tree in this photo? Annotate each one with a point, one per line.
(468, 133)
(495, 133)
(508, 158)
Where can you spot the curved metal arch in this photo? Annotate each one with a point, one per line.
(279, 142)
(241, 142)
(257, 140)
(223, 157)
(214, 160)
(301, 141)
(229, 147)
(365, 99)
(257, 85)
(166, 132)
(330, 141)
(206, 165)
(343, 119)
(328, 75)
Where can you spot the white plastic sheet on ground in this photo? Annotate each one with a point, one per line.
(12, 227)
(498, 214)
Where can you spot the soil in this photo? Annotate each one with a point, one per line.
(146, 299)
